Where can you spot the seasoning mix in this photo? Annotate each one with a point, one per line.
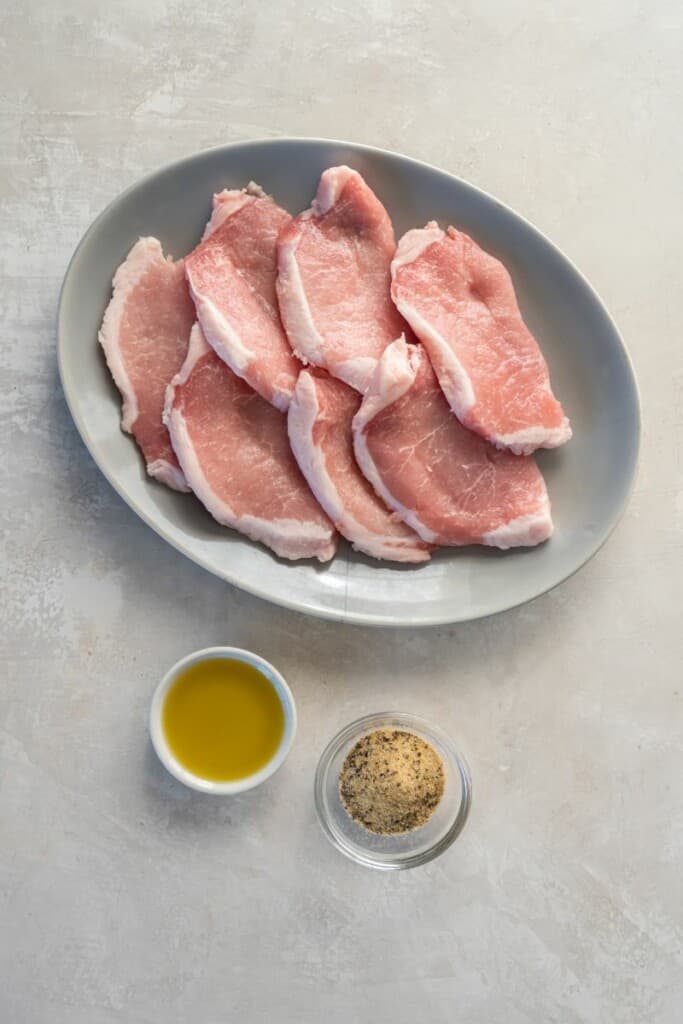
(391, 781)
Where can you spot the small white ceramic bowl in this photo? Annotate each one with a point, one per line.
(171, 763)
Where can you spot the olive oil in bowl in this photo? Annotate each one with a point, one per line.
(222, 720)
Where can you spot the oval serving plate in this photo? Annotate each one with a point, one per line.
(589, 479)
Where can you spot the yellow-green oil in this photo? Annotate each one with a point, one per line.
(223, 719)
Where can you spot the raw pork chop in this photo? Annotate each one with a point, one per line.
(334, 279)
(232, 279)
(447, 483)
(461, 303)
(235, 454)
(319, 424)
(144, 335)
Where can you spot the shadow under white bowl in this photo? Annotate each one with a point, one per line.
(589, 479)
(171, 762)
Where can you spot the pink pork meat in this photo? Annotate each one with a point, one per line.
(235, 454)
(319, 423)
(231, 275)
(144, 335)
(334, 279)
(447, 483)
(461, 304)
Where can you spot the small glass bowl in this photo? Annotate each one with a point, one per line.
(406, 849)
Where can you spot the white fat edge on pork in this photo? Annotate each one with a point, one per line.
(229, 201)
(301, 420)
(288, 538)
(145, 253)
(453, 378)
(393, 378)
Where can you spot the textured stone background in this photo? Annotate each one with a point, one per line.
(124, 897)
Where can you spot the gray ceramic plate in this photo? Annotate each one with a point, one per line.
(589, 479)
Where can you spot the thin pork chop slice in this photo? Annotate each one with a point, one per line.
(334, 279)
(447, 483)
(231, 275)
(144, 335)
(319, 424)
(235, 454)
(460, 302)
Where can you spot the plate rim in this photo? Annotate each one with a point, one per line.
(344, 616)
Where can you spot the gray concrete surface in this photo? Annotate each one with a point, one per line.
(124, 897)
